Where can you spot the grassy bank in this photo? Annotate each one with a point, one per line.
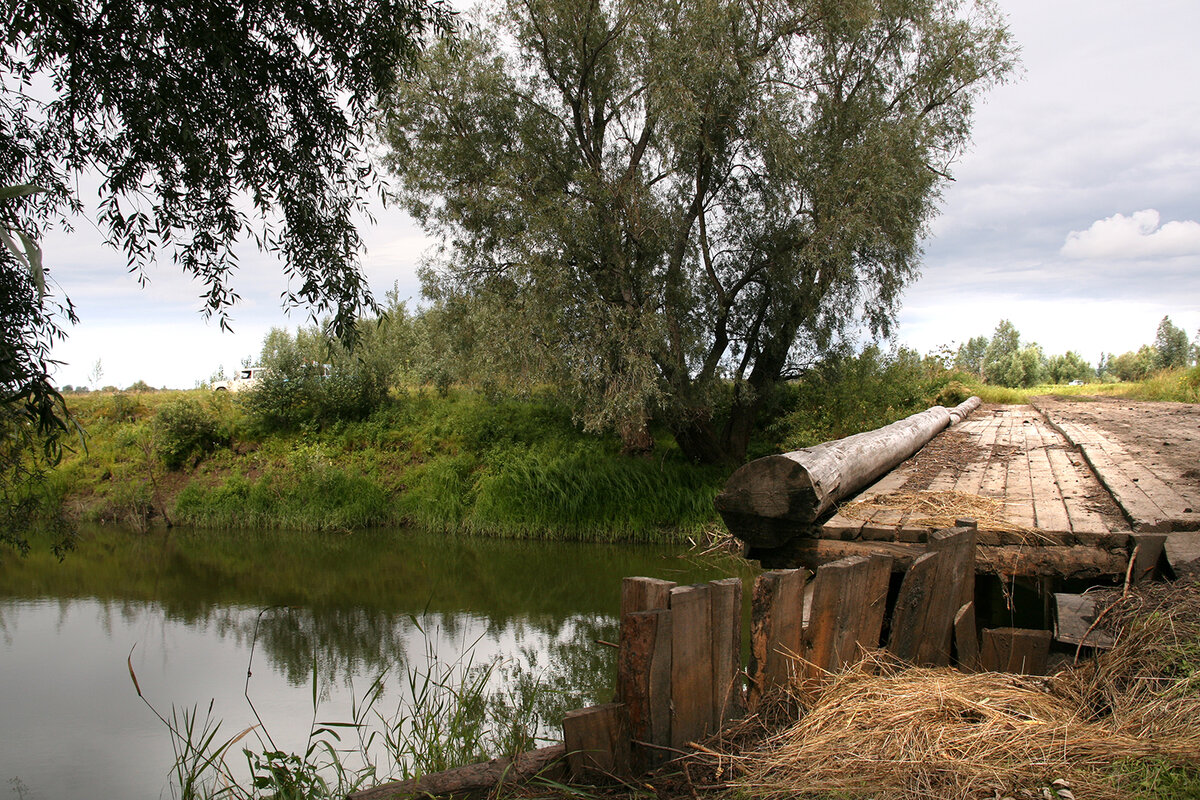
(462, 462)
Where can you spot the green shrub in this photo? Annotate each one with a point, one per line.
(953, 393)
(299, 395)
(185, 430)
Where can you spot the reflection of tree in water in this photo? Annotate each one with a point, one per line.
(544, 666)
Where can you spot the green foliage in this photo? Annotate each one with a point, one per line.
(953, 393)
(649, 200)
(848, 393)
(308, 492)
(299, 390)
(1007, 363)
(970, 356)
(186, 430)
(1069, 367)
(247, 116)
(1171, 344)
(1157, 779)
(1133, 366)
(34, 420)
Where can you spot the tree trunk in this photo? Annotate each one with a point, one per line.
(698, 440)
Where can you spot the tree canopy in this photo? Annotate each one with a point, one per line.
(653, 201)
(1172, 345)
(207, 122)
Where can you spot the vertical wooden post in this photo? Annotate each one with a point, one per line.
(776, 630)
(1019, 650)
(912, 607)
(644, 683)
(953, 588)
(691, 664)
(849, 599)
(725, 604)
(936, 586)
(966, 640)
(597, 742)
(644, 594)
(1147, 549)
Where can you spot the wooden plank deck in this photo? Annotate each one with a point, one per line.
(1049, 496)
(1129, 447)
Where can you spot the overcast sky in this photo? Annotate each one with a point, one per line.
(1076, 215)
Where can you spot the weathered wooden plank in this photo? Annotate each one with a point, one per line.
(487, 777)
(1018, 488)
(845, 528)
(912, 607)
(644, 683)
(776, 630)
(1183, 553)
(1171, 503)
(1074, 615)
(725, 605)
(1072, 480)
(597, 742)
(971, 477)
(1147, 550)
(1137, 505)
(966, 639)
(954, 586)
(846, 614)
(1049, 507)
(691, 664)
(1060, 561)
(1020, 650)
(933, 590)
(644, 594)
(944, 481)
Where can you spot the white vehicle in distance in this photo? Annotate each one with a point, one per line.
(246, 378)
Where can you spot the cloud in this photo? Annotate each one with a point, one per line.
(1134, 237)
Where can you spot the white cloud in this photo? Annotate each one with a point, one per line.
(1136, 236)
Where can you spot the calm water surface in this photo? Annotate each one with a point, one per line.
(194, 612)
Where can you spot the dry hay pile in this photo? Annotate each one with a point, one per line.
(928, 509)
(883, 730)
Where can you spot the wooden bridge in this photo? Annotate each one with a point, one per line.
(1059, 488)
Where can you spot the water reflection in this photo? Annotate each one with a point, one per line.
(194, 612)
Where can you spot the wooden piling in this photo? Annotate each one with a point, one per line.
(848, 605)
(645, 594)
(691, 664)
(725, 608)
(935, 588)
(1020, 650)
(776, 630)
(597, 743)
(644, 684)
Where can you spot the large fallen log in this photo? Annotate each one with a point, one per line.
(771, 500)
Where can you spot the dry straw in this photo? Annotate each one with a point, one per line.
(890, 732)
(927, 509)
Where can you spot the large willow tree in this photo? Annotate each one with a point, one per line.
(655, 200)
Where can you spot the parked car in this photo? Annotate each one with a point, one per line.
(247, 378)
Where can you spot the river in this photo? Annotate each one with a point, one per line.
(278, 631)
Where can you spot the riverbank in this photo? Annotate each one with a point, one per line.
(460, 461)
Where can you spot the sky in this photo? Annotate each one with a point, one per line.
(1075, 214)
